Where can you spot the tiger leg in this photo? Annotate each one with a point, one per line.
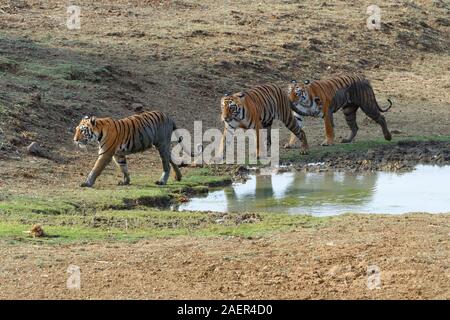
(100, 164)
(121, 162)
(304, 148)
(376, 116)
(164, 153)
(258, 142)
(293, 137)
(350, 118)
(223, 141)
(329, 131)
(292, 141)
(176, 170)
(227, 139)
(382, 122)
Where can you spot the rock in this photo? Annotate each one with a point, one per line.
(34, 148)
(35, 99)
(224, 64)
(290, 45)
(241, 171)
(443, 22)
(137, 107)
(315, 41)
(8, 66)
(370, 154)
(137, 34)
(314, 48)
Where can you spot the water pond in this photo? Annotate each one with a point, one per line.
(426, 189)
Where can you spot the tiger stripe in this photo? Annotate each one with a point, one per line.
(119, 138)
(257, 108)
(323, 90)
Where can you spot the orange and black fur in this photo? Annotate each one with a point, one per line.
(359, 95)
(326, 90)
(256, 109)
(118, 138)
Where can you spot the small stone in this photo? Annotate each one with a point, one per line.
(137, 107)
(36, 99)
(35, 149)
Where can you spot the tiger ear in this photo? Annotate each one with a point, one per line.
(317, 100)
(306, 82)
(293, 81)
(226, 94)
(241, 94)
(93, 120)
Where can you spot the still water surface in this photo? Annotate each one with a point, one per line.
(426, 189)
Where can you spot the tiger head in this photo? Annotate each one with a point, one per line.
(233, 107)
(87, 131)
(300, 97)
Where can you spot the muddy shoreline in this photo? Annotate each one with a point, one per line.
(401, 156)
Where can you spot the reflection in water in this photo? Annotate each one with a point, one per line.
(332, 193)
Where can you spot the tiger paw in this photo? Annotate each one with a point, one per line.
(304, 151)
(217, 160)
(289, 146)
(196, 165)
(263, 159)
(160, 183)
(326, 143)
(388, 136)
(86, 185)
(345, 140)
(123, 183)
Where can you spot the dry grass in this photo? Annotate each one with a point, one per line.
(182, 55)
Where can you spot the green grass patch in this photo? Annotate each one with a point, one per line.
(7, 65)
(137, 225)
(84, 200)
(3, 114)
(67, 71)
(98, 214)
(139, 211)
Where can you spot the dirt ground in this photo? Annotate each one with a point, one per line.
(131, 54)
(135, 53)
(180, 57)
(410, 254)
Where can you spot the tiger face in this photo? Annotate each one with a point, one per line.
(303, 101)
(86, 131)
(298, 93)
(233, 108)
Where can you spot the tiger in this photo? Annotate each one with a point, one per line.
(304, 95)
(256, 108)
(119, 138)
